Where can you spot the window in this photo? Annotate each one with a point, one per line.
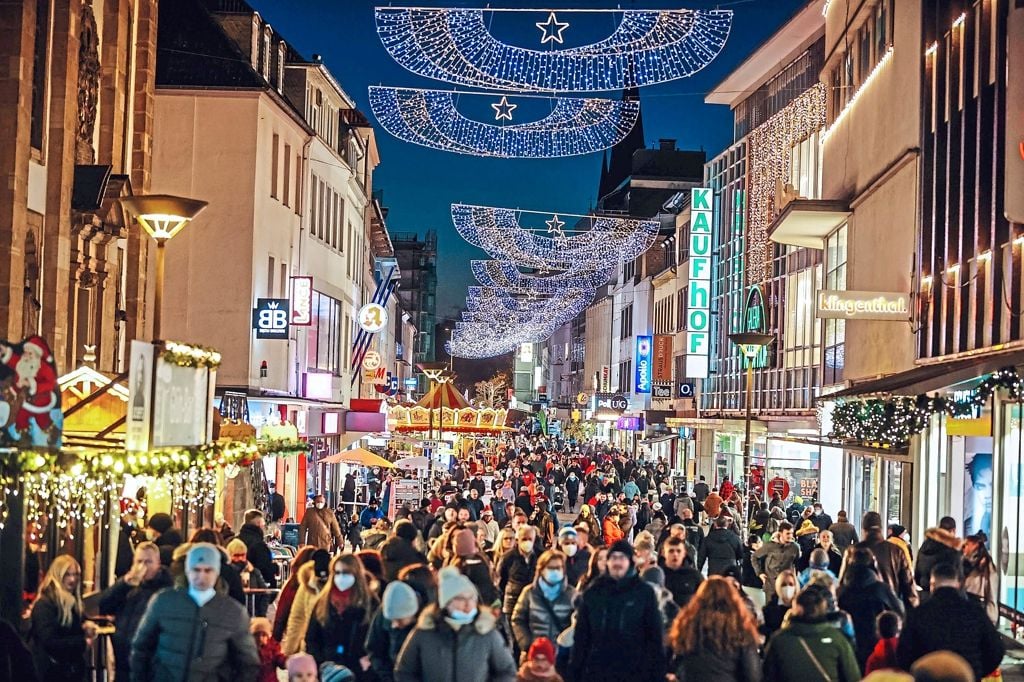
(284, 280)
(626, 322)
(681, 310)
(287, 174)
(805, 168)
(835, 330)
(882, 37)
(323, 340)
(39, 67)
(864, 49)
(298, 184)
(270, 278)
(803, 330)
(314, 196)
(629, 270)
(274, 165)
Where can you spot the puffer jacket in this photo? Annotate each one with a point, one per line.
(515, 572)
(796, 651)
(127, 603)
(179, 640)
(721, 549)
(435, 652)
(940, 546)
(302, 610)
(383, 643)
(535, 616)
(341, 639)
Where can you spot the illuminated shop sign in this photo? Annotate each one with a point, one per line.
(698, 315)
(862, 305)
(642, 383)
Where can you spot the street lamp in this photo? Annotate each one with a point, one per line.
(437, 373)
(750, 344)
(162, 216)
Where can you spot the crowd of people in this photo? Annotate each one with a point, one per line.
(536, 561)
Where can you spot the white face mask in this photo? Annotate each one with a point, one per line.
(319, 505)
(788, 592)
(344, 581)
(526, 546)
(570, 550)
(201, 597)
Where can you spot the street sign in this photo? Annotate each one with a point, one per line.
(411, 382)
(778, 485)
(429, 444)
(582, 398)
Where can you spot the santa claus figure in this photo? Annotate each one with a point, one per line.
(35, 377)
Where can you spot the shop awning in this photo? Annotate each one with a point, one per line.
(931, 377)
(839, 445)
(806, 222)
(658, 439)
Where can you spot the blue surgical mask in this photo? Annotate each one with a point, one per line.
(553, 576)
(462, 617)
(201, 597)
(344, 581)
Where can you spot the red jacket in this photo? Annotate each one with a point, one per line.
(271, 659)
(612, 532)
(884, 656)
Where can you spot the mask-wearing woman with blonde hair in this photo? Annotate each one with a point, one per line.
(59, 638)
(341, 617)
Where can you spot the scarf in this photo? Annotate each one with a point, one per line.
(340, 600)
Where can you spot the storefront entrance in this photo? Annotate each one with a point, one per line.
(881, 483)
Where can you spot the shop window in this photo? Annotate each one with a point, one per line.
(835, 330)
(1008, 536)
(324, 335)
(805, 168)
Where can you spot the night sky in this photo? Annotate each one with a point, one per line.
(420, 184)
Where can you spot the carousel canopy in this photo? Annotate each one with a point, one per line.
(443, 395)
(358, 456)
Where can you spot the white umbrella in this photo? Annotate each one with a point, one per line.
(417, 462)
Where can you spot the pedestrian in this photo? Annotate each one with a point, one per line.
(701, 490)
(311, 579)
(473, 563)
(287, 595)
(455, 639)
(610, 529)
(775, 556)
(248, 576)
(127, 598)
(545, 524)
(58, 635)
(390, 627)
(980, 574)
(370, 515)
(545, 605)
(896, 534)
(576, 551)
(949, 621)
(781, 601)
(681, 579)
(942, 666)
(826, 542)
(809, 643)
(161, 531)
(399, 551)
(721, 549)
(517, 568)
(817, 565)
(887, 632)
(302, 668)
(341, 617)
(269, 650)
(589, 519)
(320, 527)
(940, 546)
(750, 577)
(275, 504)
(167, 646)
(259, 554)
(807, 539)
(572, 490)
(713, 504)
(864, 595)
(715, 637)
(819, 518)
(654, 576)
(595, 569)
(618, 632)
(539, 665)
(490, 527)
(844, 533)
(348, 493)
(890, 559)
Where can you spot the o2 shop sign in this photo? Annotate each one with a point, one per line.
(270, 318)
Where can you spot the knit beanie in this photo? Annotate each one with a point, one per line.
(654, 575)
(399, 601)
(300, 663)
(203, 554)
(321, 563)
(334, 672)
(622, 547)
(406, 530)
(160, 522)
(465, 543)
(541, 647)
(567, 532)
(450, 584)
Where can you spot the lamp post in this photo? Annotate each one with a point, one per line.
(436, 372)
(162, 216)
(750, 344)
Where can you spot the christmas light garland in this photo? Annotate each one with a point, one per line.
(575, 125)
(185, 355)
(648, 47)
(892, 422)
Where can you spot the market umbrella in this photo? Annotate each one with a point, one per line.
(416, 462)
(443, 395)
(358, 456)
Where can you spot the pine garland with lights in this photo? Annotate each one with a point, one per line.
(185, 355)
(892, 422)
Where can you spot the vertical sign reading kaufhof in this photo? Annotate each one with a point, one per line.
(642, 383)
(698, 316)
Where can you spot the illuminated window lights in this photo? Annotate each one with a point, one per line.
(856, 96)
(926, 281)
(959, 21)
(953, 269)
(932, 49)
(985, 256)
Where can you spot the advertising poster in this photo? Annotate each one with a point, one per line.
(978, 484)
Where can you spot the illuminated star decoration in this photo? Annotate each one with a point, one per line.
(555, 226)
(503, 109)
(551, 29)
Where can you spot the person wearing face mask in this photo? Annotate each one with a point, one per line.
(194, 633)
(517, 568)
(576, 551)
(160, 530)
(545, 606)
(341, 618)
(454, 639)
(320, 527)
(778, 605)
(390, 628)
(312, 577)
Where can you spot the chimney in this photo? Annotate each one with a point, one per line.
(666, 145)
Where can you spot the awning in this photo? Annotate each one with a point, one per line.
(931, 377)
(806, 222)
(822, 442)
(658, 439)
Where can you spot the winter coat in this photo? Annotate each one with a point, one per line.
(618, 633)
(320, 528)
(950, 621)
(786, 657)
(892, 565)
(713, 504)
(612, 532)
(57, 650)
(844, 534)
(271, 659)
(515, 572)
(15, 657)
(535, 616)
(435, 652)
(259, 553)
(743, 665)
(383, 644)
(772, 559)
(576, 565)
(284, 607)
(863, 595)
(940, 546)
(127, 603)
(395, 554)
(179, 640)
(341, 639)
(302, 610)
(883, 657)
(701, 491)
(721, 549)
(682, 583)
(167, 542)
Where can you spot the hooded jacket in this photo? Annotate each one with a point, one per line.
(259, 553)
(306, 594)
(535, 616)
(721, 549)
(786, 658)
(939, 546)
(383, 644)
(127, 603)
(435, 652)
(892, 565)
(863, 595)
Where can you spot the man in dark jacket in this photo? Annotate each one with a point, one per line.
(701, 490)
(618, 632)
(893, 566)
(681, 580)
(844, 533)
(949, 621)
(194, 633)
(940, 546)
(127, 599)
(721, 548)
(397, 552)
(159, 529)
(517, 568)
(251, 533)
(577, 554)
